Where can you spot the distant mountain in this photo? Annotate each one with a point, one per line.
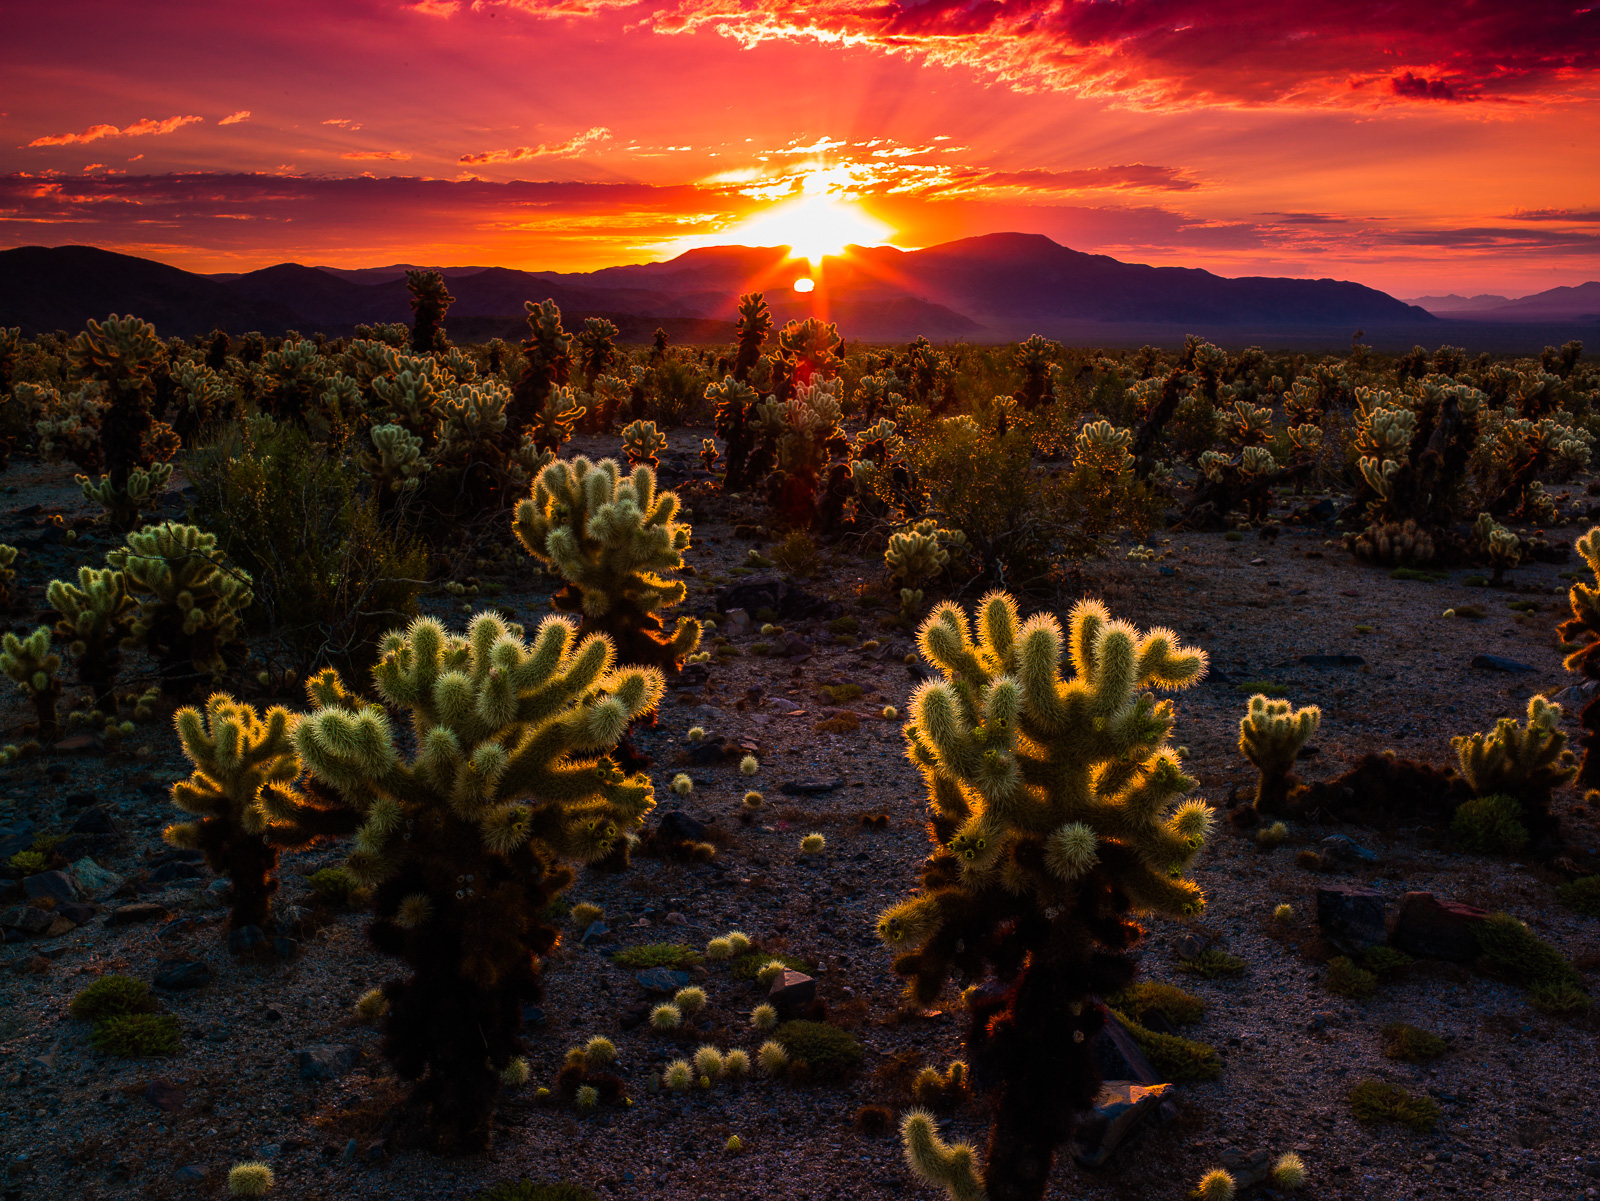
(1453, 303)
(1581, 303)
(992, 286)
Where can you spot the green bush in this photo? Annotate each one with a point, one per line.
(1490, 825)
(1211, 963)
(1521, 955)
(1375, 1101)
(137, 1034)
(842, 694)
(828, 1051)
(1414, 1045)
(333, 884)
(1151, 996)
(1175, 1059)
(1559, 999)
(1348, 980)
(29, 862)
(656, 954)
(112, 996)
(1384, 962)
(527, 1190)
(329, 578)
(747, 967)
(1581, 895)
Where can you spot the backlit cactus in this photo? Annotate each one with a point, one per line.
(191, 600)
(1271, 734)
(125, 505)
(643, 443)
(1525, 761)
(1055, 806)
(916, 556)
(31, 665)
(430, 301)
(243, 794)
(614, 539)
(1580, 642)
(97, 614)
(506, 776)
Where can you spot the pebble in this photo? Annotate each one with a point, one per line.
(662, 979)
(809, 787)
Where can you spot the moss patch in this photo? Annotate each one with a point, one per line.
(829, 1052)
(1151, 996)
(137, 1034)
(1375, 1101)
(656, 954)
(112, 996)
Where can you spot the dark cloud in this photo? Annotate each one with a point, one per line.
(1575, 215)
(1134, 176)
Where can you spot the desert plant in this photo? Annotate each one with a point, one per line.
(1373, 1101)
(1054, 809)
(135, 1035)
(191, 601)
(548, 351)
(1580, 643)
(252, 1179)
(1271, 734)
(1581, 895)
(1490, 825)
(112, 995)
(465, 836)
(243, 793)
(828, 1052)
(125, 506)
(735, 402)
(97, 615)
(1401, 1041)
(430, 301)
(1525, 762)
(31, 665)
(613, 538)
(642, 443)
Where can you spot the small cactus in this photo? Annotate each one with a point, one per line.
(32, 666)
(588, 1095)
(371, 1005)
(666, 1016)
(515, 1074)
(753, 800)
(764, 1017)
(677, 1077)
(1215, 1185)
(599, 1052)
(812, 844)
(708, 1062)
(682, 784)
(1283, 912)
(733, 1146)
(252, 1179)
(736, 1065)
(719, 949)
(696, 734)
(690, 1000)
(585, 914)
(772, 1057)
(749, 765)
(1289, 1172)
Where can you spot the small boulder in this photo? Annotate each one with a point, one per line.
(93, 878)
(809, 787)
(1120, 1107)
(27, 920)
(246, 940)
(15, 837)
(1351, 919)
(192, 1173)
(1500, 663)
(173, 871)
(596, 933)
(792, 991)
(176, 975)
(678, 826)
(1343, 849)
(165, 1095)
(662, 979)
(1247, 1170)
(139, 911)
(1429, 928)
(57, 886)
(325, 1061)
(95, 821)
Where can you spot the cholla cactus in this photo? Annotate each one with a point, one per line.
(1055, 807)
(294, 379)
(471, 457)
(8, 573)
(243, 793)
(549, 354)
(124, 506)
(408, 391)
(430, 301)
(32, 666)
(752, 328)
(642, 442)
(1580, 643)
(1527, 762)
(70, 428)
(97, 615)
(919, 554)
(1256, 461)
(735, 424)
(1033, 359)
(554, 421)
(802, 434)
(396, 464)
(1388, 430)
(613, 538)
(465, 834)
(1248, 424)
(1496, 544)
(1271, 734)
(1393, 544)
(191, 600)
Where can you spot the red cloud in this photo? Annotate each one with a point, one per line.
(95, 132)
(521, 154)
(1167, 53)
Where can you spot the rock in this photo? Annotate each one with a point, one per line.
(1321, 1019)
(192, 1173)
(93, 878)
(809, 787)
(57, 886)
(777, 594)
(173, 871)
(352, 1152)
(1429, 928)
(176, 975)
(15, 838)
(75, 913)
(662, 979)
(1190, 945)
(1499, 663)
(59, 925)
(76, 846)
(783, 704)
(676, 919)
(791, 646)
(95, 821)
(1332, 660)
(532, 1015)
(176, 928)
(325, 1061)
(140, 911)
(1121, 1106)
(88, 743)
(1347, 850)
(1247, 1170)
(678, 826)
(246, 940)
(792, 991)
(710, 752)
(377, 1152)
(597, 932)
(164, 1095)
(1351, 919)
(736, 621)
(27, 919)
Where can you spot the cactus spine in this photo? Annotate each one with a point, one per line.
(465, 835)
(613, 538)
(1055, 807)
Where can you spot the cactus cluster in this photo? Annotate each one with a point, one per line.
(467, 823)
(1055, 807)
(1271, 735)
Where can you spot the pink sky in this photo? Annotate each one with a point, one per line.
(1415, 147)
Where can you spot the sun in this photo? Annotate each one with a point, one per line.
(812, 227)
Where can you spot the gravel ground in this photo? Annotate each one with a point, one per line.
(1517, 1088)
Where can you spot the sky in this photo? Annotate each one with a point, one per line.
(1416, 147)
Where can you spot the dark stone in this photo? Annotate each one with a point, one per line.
(1337, 846)
(634, 1016)
(58, 886)
(27, 920)
(15, 838)
(192, 1173)
(791, 646)
(1498, 663)
(1121, 1107)
(173, 871)
(710, 752)
(246, 940)
(75, 913)
(141, 911)
(1332, 660)
(680, 827)
(1247, 1170)
(777, 594)
(164, 1095)
(1351, 919)
(76, 846)
(377, 1152)
(326, 1061)
(175, 975)
(663, 979)
(1118, 1057)
(95, 821)
(792, 991)
(597, 932)
(1429, 928)
(532, 1015)
(809, 787)
(176, 928)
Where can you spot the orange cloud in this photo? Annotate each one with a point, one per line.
(95, 132)
(395, 156)
(235, 118)
(521, 154)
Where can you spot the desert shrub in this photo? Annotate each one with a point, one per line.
(656, 954)
(1373, 1101)
(135, 1035)
(112, 996)
(1490, 825)
(1179, 1060)
(1348, 980)
(748, 967)
(1211, 963)
(1412, 1044)
(1581, 895)
(829, 1052)
(1151, 996)
(797, 556)
(333, 884)
(329, 578)
(1515, 951)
